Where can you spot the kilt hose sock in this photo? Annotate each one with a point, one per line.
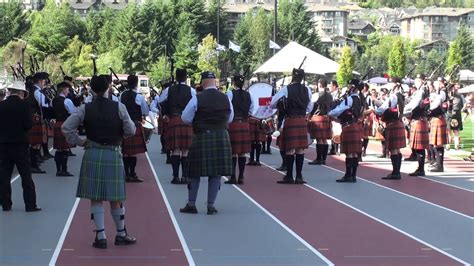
(440, 157)
(325, 150)
(299, 159)
(396, 163)
(234, 164)
(175, 161)
(118, 216)
(97, 215)
(348, 173)
(61, 158)
(133, 164)
(319, 152)
(45, 147)
(258, 150)
(269, 143)
(126, 166)
(184, 164)
(241, 161)
(290, 159)
(354, 164)
(162, 140)
(421, 159)
(365, 144)
(34, 157)
(283, 158)
(214, 184)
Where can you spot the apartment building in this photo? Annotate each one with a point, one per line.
(29, 4)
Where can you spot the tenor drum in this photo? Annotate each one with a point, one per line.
(147, 129)
(261, 94)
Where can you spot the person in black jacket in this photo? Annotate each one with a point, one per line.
(15, 117)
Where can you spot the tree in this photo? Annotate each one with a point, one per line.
(109, 59)
(160, 71)
(208, 57)
(95, 21)
(13, 21)
(296, 24)
(460, 50)
(346, 66)
(186, 53)
(216, 10)
(397, 60)
(431, 62)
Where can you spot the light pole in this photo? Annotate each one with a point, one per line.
(218, 18)
(275, 24)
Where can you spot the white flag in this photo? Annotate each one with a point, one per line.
(274, 45)
(234, 47)
(220, 48)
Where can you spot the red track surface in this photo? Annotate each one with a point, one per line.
(146, 218)
(344, 236)
(443, 195)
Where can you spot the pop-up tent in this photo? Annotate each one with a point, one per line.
(292, 55)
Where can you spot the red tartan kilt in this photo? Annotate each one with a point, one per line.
(351, 139)
(395, 136)
(161, 125)
(257, 132)
(135, 144)
(320, 127)
(179, 135)
(59, 140)
(438, 131)
(37, 134)
(239, 137)
(419, 135)
(295, 133)
(368, 124)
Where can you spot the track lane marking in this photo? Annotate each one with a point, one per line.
(391, 189)
(184, 244)
(378, 220)
(290, 231)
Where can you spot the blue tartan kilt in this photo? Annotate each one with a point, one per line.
(102, 174)
(210, 154)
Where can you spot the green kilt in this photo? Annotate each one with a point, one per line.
(102, 173)
(210, 154)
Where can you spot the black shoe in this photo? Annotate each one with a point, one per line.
(299, 181)
(231, 181)
(436, 169)
(315, 162)
(344, 179)
(251, 162)
(257, 163)
(211, 210)
(168, 161)
(410, 159)
(175, 181)
(125, 240)
(37, 170)
(99, 243)
(133, 179)
(323, 162)
(241, 181)
(189, 209)
(34, 209)
(364, 153)
(281, 168)
(392, 177)
(183, 181)
(64, 174)
(417, 173)
(286, 181)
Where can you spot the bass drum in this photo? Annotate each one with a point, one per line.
(261, 95)
(148, 128)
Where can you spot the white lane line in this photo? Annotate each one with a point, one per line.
(291, 232)
(187, 252)
(399, 192)
(18, 176)
(59, 246)
(382, 222)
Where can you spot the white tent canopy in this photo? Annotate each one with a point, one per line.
(292, 55)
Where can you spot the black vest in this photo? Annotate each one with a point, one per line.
(352, 114)
(323, 105)
(134, 110)
(102, 122)
(60, 111)
(213, 110)
(241, 102)
(298, 99)
(178, 97)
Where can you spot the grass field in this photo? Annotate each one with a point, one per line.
(467, 135)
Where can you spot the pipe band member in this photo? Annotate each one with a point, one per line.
(295, 126)
(102, 177)
(438, 128)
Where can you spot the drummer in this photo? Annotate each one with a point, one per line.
(295, 127)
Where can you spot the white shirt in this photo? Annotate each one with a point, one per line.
(390, 101)
(40, 97)
(436, 99)
(344, 105)
(191, 108)
(154, 105)
(284, 93)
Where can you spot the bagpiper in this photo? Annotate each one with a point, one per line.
(294, 139)
(239, 128)
(176, 97)
(348, 113)
(137, 108)
(438, 127)
(320, 124)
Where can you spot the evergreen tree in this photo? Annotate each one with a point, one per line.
(208, 57)
(160, 71)
(397, 60)
(431, 62)
(461, 50)
(109, 59)
(213, 10)
(241, 36)
(186, 53)
(13, 22)
(346, 66)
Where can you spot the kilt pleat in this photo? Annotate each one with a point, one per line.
(239, 137)
(257, 132)
(102, 174)
(395, 135)
(180, 134)
(320, 127)
(438, 131)
(59, 140)
(135, 144)
(210, 154)
(295, 133)
(419, 135)
(351, 139)
(37, 134)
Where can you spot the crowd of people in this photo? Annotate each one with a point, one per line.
(208, 133)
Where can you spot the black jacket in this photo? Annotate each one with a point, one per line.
(15, 120)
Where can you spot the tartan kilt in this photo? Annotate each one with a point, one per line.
(438, 131)
(367, 125)
(419, 134)
(102, 174)
(295, 133)
(257, 132)
(180, 134)
(162, 125)
(395, 136)
(37, 134)
(210, 154)
(59, 140)
(280, 141)
(239, 136)
(135, 144)
(351, 139)
(320, 127)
